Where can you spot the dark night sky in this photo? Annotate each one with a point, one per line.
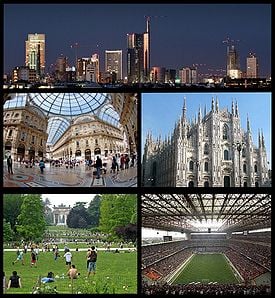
(183, 35)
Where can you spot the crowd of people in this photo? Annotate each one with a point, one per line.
(246, 267)
(205, 289)
(250, 259)
(111, 163)
(168, 264)
(72, 271)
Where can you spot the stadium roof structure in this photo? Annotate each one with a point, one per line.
(183, 212)
(61, 108)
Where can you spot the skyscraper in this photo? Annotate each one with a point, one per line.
(35, 53)
(93, 69)
(146, 50)
(138, 55)
(135, 61)
(60, 68)
(252, 66)
(233, 65)
(113, 63)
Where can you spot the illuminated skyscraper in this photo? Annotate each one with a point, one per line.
(138, 56)
(135, 61)
(146, 50)
(252, 66)
(60, 68)
(113, 63)
(93, 69)
(35, 53)
(233, 65)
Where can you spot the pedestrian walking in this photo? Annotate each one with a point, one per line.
(9, 163)
(98, 165)
(41, 166)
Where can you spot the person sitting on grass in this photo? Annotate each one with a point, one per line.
(15, 281)
(49, 278)
(72, 273)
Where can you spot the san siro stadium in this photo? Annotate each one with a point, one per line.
(206, 244)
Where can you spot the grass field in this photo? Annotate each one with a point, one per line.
(207, 268)
(116, 273)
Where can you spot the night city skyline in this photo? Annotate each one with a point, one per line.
(100, 27)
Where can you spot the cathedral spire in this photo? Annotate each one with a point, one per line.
(232, 108)
(184, 108)
(248, 124)
(212, 104)
(263, 144)
(217, 104)
(259, 139)
(199, 115)
(204, 111)
(236, 109)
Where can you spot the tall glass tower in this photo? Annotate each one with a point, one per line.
(35, 53)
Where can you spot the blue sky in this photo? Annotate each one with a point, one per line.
(161, 110)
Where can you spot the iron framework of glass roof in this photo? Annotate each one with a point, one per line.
(177, 212)
(62, 107)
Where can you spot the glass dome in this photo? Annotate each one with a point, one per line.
(60, 108)
(56, 127)
(68, 104)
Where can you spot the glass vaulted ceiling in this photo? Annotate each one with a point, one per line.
(62, 107)
(68, 104)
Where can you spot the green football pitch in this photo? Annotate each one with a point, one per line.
(207, 268)
(116, 273)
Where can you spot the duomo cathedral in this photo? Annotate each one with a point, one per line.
(212, 151)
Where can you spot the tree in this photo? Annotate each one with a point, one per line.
(116, 210)
(31, 220)
(7, 231)
(94, 211)
(48, 211)
(11, 207)
(128, 232)
(78, 216)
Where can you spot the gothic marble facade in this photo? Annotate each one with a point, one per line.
(212, 150)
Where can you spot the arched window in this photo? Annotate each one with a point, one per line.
(206, 166)
(255, 169)
(191, 184)
(256, 184)
(225, 133)
(225, 155)
(206, 184)
(243, 152)
(191, 165)
(245, 184)
(206, 149)
(244, 168)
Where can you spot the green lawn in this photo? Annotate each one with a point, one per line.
(206, 268)
(116, 272)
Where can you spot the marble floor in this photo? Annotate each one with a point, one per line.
(62, 177)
